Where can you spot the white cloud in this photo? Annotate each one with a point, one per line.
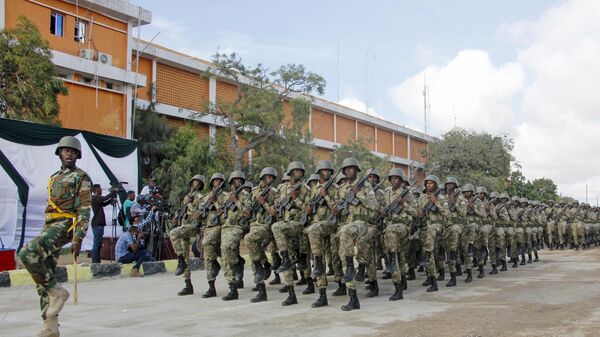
(546, 98)
(356, 104)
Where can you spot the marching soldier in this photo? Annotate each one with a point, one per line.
(502, 222)
(181, 236)
(67, 216)
(551, 225)
(471, 209)
(485, 230)
(453, 229)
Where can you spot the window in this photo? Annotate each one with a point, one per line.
(80, 29)
(109, 85)
(57, 22)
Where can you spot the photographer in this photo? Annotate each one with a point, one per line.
(139, 207)
(130, 246)
(99, 220)
(148, 189)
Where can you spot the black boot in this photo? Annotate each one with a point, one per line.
(276, 279)
(515, 262)
(268, 269)
(529, 259)
(503, 266)
(211, 292)
(303, 280)
(411, 274)
(379, 264)
(233, 293)
(374, 291)
(291, 297)
(403, 282)
(262, 294)
(276, 262)
(360, 274)
(350, 272)
(285, 262)
(259, 272)
(294, 274)
(302, 262)
(441, 274)
(386, 276)
(283, 289)
(391, 265)
(577, 247)
(494, 270)
(421, 269)
(452, 282)
(181, 265)
(215, 268)
(427, 282)
(239, 273)
(481, 272)
(434, 286)
(322, 300)
(187, 290)
(537, 258)
(523, 259)
(310, 289)
(341, 290)
(330, 271)
(459, 270)
(319, 267)
(353, 304)
(397, 293)
(469, 276)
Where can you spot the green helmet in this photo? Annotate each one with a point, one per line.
(268, 171)
(313, 177)
(451, 180)
(249, 184)
(70, 142)
(481, 189)
(285, 177)
(504, 195)
(523, 201)
(217, 175)
(467, 188)
(494, 194)
(432, 177)
(200, 178)
(339, 178)
(236, 174)
(397, 172)
(350, 162)
(514, 198)
(575, 203)
(375, 172)
(295, 165)
(324, 165)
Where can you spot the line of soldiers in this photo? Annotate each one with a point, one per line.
(330, 219)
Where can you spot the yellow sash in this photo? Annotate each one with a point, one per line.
(59, 212)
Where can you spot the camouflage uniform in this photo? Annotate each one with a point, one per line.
(551, 225)
(432, 226)
(485, 237)
(452, 232)
(517, 246)
(473, 220)
(561, 216)
(501, 235)
(232, 233)
(67, 215)
(212, 235)
(574, 215)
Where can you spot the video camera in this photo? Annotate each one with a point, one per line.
(117, 187)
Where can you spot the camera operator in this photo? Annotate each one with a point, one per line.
(99, 220)
(150, 187)
(130, 246)
(139, 207)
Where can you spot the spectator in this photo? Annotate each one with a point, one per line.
(130, 246)
(126, 206)
(99, 220)
(139, 206)
(151, 186)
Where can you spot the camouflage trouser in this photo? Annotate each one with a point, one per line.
(430, 238)
(577, 231)
(366, 251)
(483, 239)
(40, 257)
(511, 241)
(349, 234)
(211, 245)
(551, 230)
(540, 234)
(499, 248)
(414, 249)
(284, 233)
(256, 241)
(230, 249)
(320, 235)
(395, 239)
(520, 239)
(469, 237)
(452, 233)
(181, 241)
(529, 235)
(596, 231)
(334, 241)
(562, 232)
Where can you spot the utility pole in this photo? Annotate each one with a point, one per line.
(586, 193)
(337, 70)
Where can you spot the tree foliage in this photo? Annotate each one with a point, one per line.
(257, 113)
(28, 82)
(542, 189)
(360, 151)
(152, 131)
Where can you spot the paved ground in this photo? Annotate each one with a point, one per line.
(559, 296)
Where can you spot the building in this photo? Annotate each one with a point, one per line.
(105, 90)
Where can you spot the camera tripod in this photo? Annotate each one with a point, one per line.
(113, 236)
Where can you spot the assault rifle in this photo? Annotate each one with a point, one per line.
(429, 207)
(393, 208)
(257, 207)
(228, 206)
(317, 201)
(349, 199)
(209, 205)
(285, 204)
(452, 201)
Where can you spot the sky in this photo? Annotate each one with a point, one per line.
(528, 69)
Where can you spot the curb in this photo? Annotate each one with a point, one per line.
(95, 271)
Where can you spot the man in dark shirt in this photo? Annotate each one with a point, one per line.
(99, 221)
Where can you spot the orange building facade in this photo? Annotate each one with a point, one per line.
(97, 58)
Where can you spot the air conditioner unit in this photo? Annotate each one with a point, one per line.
(105, 58)
(86, 54)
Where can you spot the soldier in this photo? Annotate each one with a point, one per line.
(232, 232)
(452, 230)
(398, 211)
(551, 226)
(560, 214)
(509, 228)
(375, 180)
(485, 231)
(291, 200)
(588, 219)
(67, 216)
(575, 216)
(502, 223)
(471, 209)
(432, 212)
(275, 257)
(211, 243)
(181, 236)
(414, 251)
(320, 230)
(526, 220)
(259, 236)
(352, 221)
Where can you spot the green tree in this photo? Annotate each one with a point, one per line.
(360, 151)
(186, 155)
(542, 189)
(28, 82)
(257, 112)
(152, 131)
(479, 158)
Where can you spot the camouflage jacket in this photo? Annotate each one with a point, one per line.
(190, 203)
(70, 191)
(440, 212)
(407, 211)
(215, 208)
(259, 218)
(244, 203)
(367, 203)
(296, 205)
(478, 213)
(323, 211)
(503, 218)
(454, 216)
